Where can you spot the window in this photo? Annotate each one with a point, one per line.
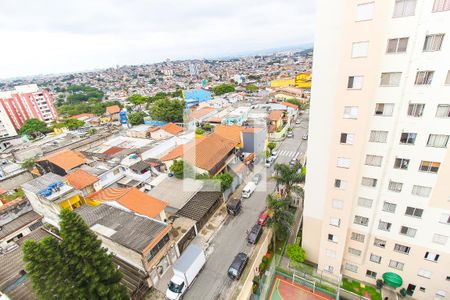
(414, 212)
(351, 267)
(354, 251)
(401, 163)
(379, 243)
(443, 111)
(433, 42)
(335, 222)
(340, 184)
(364, 12)
(343, 162)
(330, 253)
(421, 191)
(373, 160)
(402, 248)
(332, 238)
(390, 78)
(350, 112)
(408, 231)
(337, 204)
(440, 295)
(358, 237)
(330, 269)
(445, 218)
(116, 171)
(424, 273)
(422, 289)
(360, 49)
(370, 182)
(397, 45)
(424, 77)
(378, 136)
(395, 186)
(415, 110)
(441, 5)
(365, 202)
(158, 247)
(346, 138)
(431, 256)
(408, 138)
(371, 274)
(404, 8)
(359, 220)
(375, 258)
(440, 239)
(437, 140)
(396, 264)
(447, 79)
(355, 82)
(389, 207)
(429, 166)
(384, 109)
(385, 226)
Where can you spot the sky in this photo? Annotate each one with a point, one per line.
(59, 36)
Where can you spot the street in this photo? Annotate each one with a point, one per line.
(213, 282)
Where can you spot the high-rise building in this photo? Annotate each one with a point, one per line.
(377, 195)
(25, 102)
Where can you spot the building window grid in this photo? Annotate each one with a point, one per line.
(433, 42)
(384, 109)
(396, 265)
(357, 237)
(354, 251)
(430, 256)
(360, 220)
(402, 249)
(441, 5)
(364, 12)
(397, 45)
(414, 212)
(365, 202)
(421, 191)
(346, 138)
(360, 49)
(350, 112)
(416, 109)
(424, 273)
(440, 239)
(385, 226)
(351, 267)
(424, 77)
(404, 8)
(395, 186)
(340, 184)
(373, 160)
(369, 182)
(408, 231)
(378, 136)
(401, 163)
(408, 138)
(355, 82)
(443, 111)
(379, 243)
(390, 79)
(389, 207)
(371, 274)
(437, 140)
(445, 218)
(375, 258)
(429, 166)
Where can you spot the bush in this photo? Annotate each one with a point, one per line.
(380, 283)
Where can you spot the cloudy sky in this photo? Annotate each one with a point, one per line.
(52, 36)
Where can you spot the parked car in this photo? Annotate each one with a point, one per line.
(274, 154)
(257, 178)
(248, 189)
(298, 121)
(290, 134)
(238, 265)
(293, 162)
(263, 216)
(305, 137)
(185, 270)
(255, 234)
(234, 206)
(269, 161)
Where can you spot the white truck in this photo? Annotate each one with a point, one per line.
(248, 190)
(185, 270)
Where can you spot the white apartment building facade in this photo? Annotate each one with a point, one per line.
(377, 194)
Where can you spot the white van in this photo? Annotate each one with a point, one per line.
(248, 190)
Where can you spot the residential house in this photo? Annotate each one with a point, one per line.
(291, 109)
(82, 181)
(60, 162)
(201, 114)
(141, 131)
(131, 199)
(166, 131)
(276, 120)
(49, 194)
(112, 113)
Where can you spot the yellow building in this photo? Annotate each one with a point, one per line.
(301, 80)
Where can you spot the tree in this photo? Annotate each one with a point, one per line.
(280, 218)
(271, 146)
(167, 110)
(28, 163)
(295, 102)
(295, 253)
(251, 88)
(224, 88)
(289, 177)
(76, 267)
(199, 131)
(137, 99)
(225, 180)
(182, 169)
(33, 126)
(136, 118)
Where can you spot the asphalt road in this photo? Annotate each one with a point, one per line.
(213, 282)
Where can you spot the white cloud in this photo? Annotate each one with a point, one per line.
(49, 36)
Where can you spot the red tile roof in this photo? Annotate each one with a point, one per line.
(114, 109)
(232, 132)
(289, 105)
(81, 116)
(113, 150)
(66, 159)
(198, 113)
(172, 128)
(133, 199)
(80, 179)
(275, 115)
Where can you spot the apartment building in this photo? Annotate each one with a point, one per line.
(377, 197)
(23, 103)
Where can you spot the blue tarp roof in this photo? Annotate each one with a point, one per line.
(197, 94)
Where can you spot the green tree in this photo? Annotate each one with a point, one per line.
(33, 126)
(224, 88)
(199, 131)
(182, 169)
(136, 118)
(28, 163)
(73, 124)
(251, 88)
(295, 253)
(225, 180)
(295, 102)
(289, 177)
(167, 110)
(280, 219)
(271, 146)
(137, 99)
(76, 267)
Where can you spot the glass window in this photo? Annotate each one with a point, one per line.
(375, 258)
(404, 8)
(390, 78)
(355, 82)
(346, 138)
(424, 77)
(360, 49)
(408, 231)
(360, 220)
(379, 243)
(371, 274)
(424, 273)
(358, 237)
(431, 256)
(437, 140)
(364, 11)
(415, 110)
(351, 267)
(370, 182)
(354, 251)
(350, 112)
(433, 42)
(384, 109)
(414, 212)
(440, 239)
(408, 138)
(429, 166)
(398, 45)
(365, 202)
(447, 79)
(422, 191)
(374, 160)
(389, 207)
(337, 204)
(402, 248)
(385, 226)
(343, 162)
(401, 163)
(443, 111)
(378, 136)
(395, 186)
(340, 184)
(441, 5)
(396, 264)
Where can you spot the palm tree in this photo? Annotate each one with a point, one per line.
(280, 217)
(289, 177)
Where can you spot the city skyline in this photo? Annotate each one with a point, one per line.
(137, 33)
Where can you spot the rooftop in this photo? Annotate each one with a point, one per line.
(176, 192)
(66, 159)
(172, 128)
(80, 179)
(40, 183)
(125, 228)
(199, 205)
(275, 115)
(18, 223)
(113, 109)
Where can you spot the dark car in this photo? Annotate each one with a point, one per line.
(254, 234)
(234, 206)
(257, 178)
(237, 266)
